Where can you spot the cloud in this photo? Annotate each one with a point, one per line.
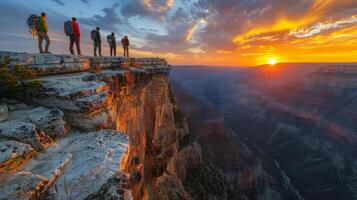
(85, 1)
(59, 2)
(134, 8)
(321, 27)
(142, 8)
(108, 21)
(196, 50)
(159, 5)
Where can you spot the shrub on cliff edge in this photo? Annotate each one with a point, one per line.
(15, 81)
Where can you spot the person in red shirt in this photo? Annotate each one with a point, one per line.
(75, 37)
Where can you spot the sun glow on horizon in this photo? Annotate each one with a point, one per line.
(272, 61)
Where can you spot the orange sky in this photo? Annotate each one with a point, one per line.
(198, 32)
(314, 35)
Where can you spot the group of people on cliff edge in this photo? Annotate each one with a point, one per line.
(111, 39)
(38, 27)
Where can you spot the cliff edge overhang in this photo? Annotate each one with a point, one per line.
(68, 140)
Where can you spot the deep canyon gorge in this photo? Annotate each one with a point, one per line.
(297, 120)
(138, 128)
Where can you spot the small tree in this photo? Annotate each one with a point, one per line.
(15, 81)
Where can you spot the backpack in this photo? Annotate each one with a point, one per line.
(32, 23)
(93, 34)
(125, 42)
(109, 39)
(68, 28)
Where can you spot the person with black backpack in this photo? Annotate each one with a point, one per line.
(42, 29)
(97, 41)
(112, 44)
(71, 28)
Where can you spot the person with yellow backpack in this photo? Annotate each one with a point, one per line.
(42, 33)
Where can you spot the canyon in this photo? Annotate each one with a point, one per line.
(298, 120)
(136, 128)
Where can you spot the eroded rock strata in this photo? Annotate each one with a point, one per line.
(101, 128)
(298, 119)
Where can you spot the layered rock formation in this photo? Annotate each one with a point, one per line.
(299, 118)
(101, 128)
(230, 170)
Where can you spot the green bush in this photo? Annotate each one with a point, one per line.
(15, 82)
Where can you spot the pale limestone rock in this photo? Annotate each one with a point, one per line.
(50, 64)
(51, 121)
(17, 106)
(24, 132)
(73, 67)
(39, 59)
(39, 172)
(71, 86)
(96, 157)
(113, 189)
(51, 59)
(79, 162)
(13, 149)
(4, 112)
(20, 185)
(46, 69)
(22, 60)
(73, 59)
(90, 122)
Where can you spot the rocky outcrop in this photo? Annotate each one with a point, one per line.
(4, 112)
(12, 149)
(87, 105)
(51, 64)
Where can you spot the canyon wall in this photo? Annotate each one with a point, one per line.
(299, 119)
(100, 128)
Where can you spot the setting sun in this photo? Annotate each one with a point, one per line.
(272, 61)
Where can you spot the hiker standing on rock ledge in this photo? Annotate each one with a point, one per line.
(125, 43)
(112, 44)
(75, 37)
(42, 30)
(97, 41)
